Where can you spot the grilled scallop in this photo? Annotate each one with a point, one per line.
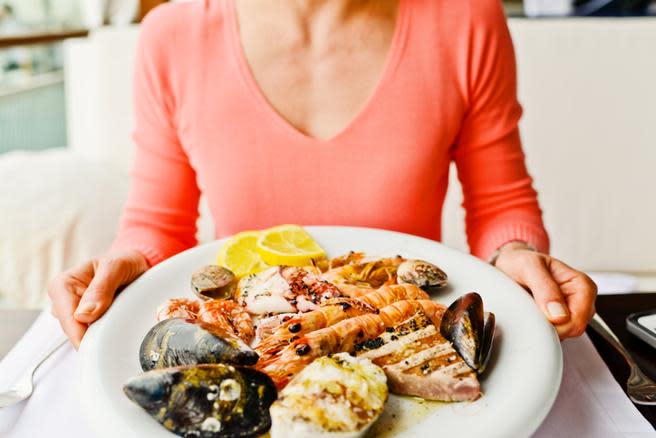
(338, 396)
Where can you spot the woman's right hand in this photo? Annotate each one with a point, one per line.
(82, 294)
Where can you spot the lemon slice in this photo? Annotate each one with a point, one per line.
(288, 245)
(240, 255)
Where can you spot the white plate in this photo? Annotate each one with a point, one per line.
(519, 386)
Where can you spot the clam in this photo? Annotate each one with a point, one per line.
(206, 400)
(213, 282)
(470, 330)
(422, 274)
(178, 341)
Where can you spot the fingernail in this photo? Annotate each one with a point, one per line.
(556, 309)
(85, 308)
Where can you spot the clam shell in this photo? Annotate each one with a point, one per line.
(206, 400)
(178, 341)
(422, 274)
(213, 282)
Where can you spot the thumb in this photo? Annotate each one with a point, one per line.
(110, 274)
(546, 292)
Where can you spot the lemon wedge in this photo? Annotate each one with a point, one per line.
(239, 254)
(288, 245)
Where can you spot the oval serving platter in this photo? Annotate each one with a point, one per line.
(519, 386)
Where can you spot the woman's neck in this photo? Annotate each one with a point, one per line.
(316, 20)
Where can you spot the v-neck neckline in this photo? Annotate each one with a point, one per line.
(262, 102)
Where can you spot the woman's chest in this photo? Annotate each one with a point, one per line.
(316, 72)
(388, 164)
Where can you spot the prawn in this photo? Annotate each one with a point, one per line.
(228, 315)
(340, 337)
(335, 310)
(387, 295)
(299, 325)
(178, 308)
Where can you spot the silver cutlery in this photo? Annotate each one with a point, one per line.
(640, 388)
(25, 386)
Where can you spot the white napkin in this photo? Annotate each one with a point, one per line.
(590, 403)
(614, 282)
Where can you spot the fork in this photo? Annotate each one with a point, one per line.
(25, 386)
(640, 388)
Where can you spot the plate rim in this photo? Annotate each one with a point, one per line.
(88, 346)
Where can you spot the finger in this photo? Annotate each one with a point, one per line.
(64, 303)
(109, 276)
(580, 293)
(546, 292)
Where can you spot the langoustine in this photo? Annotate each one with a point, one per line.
(334, 311)
(340, 337)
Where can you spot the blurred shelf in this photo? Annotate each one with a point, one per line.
(41, 37)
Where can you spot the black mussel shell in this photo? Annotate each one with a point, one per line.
(470, 330)
(179, 341)
(488, 336)
(206, 400)
(213, 282)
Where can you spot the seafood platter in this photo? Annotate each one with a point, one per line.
(379, 339)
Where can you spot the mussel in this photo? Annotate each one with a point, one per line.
(206, 400)
(422, 274)
(213, 282)
(179, 341)
(470, 330)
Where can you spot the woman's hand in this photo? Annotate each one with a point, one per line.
(82, 294)
(565, 295)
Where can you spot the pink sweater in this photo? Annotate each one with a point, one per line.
(447, 93)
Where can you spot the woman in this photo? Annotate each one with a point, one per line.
(327, 112)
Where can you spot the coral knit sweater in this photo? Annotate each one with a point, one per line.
(447, 93)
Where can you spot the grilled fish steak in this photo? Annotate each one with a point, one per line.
(419, 361)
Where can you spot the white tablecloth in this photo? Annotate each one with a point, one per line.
(590, 402)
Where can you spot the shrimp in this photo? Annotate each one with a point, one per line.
(295, 327)
(387, 295)
(228, 315)
(361, 277)
(267, 326)
(335, 310)
(178, 308)
(340, 337)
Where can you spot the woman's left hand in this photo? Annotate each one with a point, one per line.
(565, 295)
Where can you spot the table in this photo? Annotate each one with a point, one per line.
(614, 309)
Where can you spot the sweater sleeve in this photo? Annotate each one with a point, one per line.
(500, 202)
(159, 218)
